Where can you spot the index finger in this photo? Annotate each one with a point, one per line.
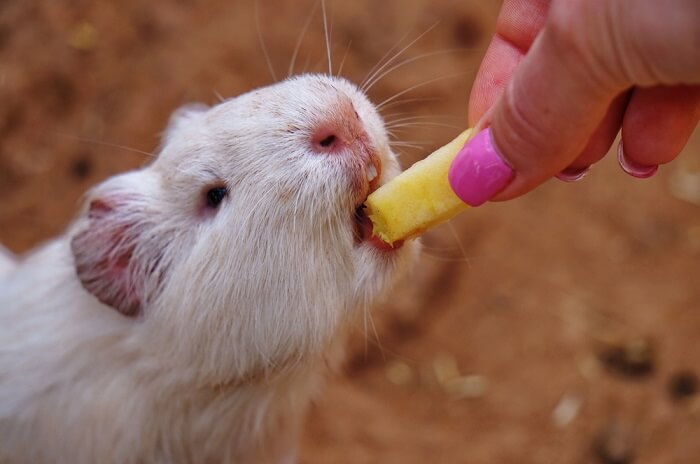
(518, 24)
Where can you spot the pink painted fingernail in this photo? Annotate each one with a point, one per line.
(573, 174)
(634, 169)
(478, 172)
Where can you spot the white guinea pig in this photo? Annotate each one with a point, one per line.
(190, 312)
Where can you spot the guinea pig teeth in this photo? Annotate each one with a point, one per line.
(371, 172)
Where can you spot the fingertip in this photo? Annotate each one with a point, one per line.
(658, 123)
(573, 174)
(633, 168)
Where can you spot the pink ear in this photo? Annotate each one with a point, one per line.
(104, 255)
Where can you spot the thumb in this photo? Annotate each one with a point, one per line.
(555, 102)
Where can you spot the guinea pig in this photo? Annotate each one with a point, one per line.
(193, 308)
(7, 261)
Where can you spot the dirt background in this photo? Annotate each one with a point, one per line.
(563, 327)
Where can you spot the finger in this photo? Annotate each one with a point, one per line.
(600, 142)
(560, 95)
(518, 24)
(657, 125)
(496, 69)
(548, 113)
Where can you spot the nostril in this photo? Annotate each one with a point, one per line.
(328, 141)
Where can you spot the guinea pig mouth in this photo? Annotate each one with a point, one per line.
(364, 232)
(363, 227)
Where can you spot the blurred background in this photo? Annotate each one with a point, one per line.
(563, 327)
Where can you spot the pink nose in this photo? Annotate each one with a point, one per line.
(338, 130)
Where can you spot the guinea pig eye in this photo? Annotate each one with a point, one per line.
(215, 196)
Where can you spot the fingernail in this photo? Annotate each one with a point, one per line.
(634, 169)
(478, 172)
(573, 174)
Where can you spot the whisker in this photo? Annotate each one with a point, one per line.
(459, 243)
(328, 38)
(399, 53)
(391, 133)
(388, 71)
(262, 41)
(399, 143)
(107, 144)
(300, 39)
(405, 101)
(381, 60)
(376, 336)
(408, 145)
(446, 260)
(439, 249)
(365, 313)
(419, 120)
(391, 115)
(307, 63)
(342, 62)
(297, 197)
(318, 64)
(422, 84)
(402, 141)
(424, 124)
(218, 96)
(399, 356)
(399, 153)
(420, 117)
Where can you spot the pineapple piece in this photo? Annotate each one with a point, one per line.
(417, 199)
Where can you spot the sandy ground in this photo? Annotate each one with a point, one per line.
(563, 327)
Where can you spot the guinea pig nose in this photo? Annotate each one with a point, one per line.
(337, 129)
(327, 140)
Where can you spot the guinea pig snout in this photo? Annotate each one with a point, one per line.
(339, 131)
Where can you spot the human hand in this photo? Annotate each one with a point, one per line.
(559, 81)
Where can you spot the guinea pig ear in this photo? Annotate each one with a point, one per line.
(186, 114)
(114, 257)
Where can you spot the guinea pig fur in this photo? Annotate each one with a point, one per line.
(191, 311)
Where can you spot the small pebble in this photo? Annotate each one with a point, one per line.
(83, 37)
(399, 373)
(685, 185)
(683, 386)
(566, 410)
(614, 445)
(81, 167)
(445, 368)
(589, 368)
(632, 359)
(466, 387)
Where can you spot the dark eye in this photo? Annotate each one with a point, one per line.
(215, 196)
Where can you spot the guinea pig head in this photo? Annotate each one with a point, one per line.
(239, 244)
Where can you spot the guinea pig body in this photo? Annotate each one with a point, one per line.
(191, 311)
(8, 261)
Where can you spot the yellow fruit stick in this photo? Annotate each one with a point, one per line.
(417, 199)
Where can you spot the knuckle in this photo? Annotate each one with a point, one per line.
(585, 37)
(520, 135)
(566, 27)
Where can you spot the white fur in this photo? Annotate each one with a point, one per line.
(8, 261)
(249, 309)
